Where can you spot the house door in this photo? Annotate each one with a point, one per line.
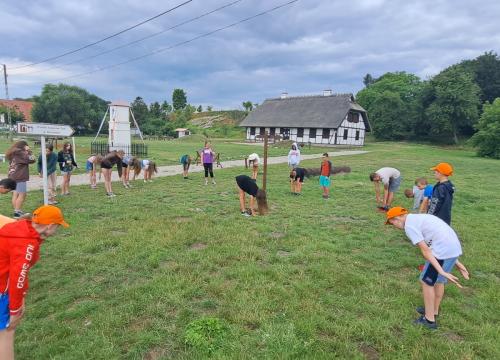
(286, 133)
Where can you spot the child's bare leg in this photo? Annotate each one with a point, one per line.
(429, 298)
(390, 197)
(242, 200)
(7, 344)
(438, 296)
(298, 187)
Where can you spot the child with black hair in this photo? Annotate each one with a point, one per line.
(296, 179)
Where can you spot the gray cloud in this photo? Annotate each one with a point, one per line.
(302, 49)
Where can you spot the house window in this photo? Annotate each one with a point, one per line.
(300, 132)
(252, 131)
(262, 131)
(346, 132)
(312, 133)
(272, 131)
(353, 117)
(357, 134)
(326, 133)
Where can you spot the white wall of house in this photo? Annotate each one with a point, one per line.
(348, 133)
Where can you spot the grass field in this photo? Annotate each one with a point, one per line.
(314, 279)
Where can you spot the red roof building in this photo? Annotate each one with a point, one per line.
(24, 107)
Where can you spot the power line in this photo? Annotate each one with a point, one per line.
(138, 40)
(179, 43)
(106, 38)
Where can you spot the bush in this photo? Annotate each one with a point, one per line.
(487, 138)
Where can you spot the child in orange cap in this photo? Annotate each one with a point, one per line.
(442, 193)
(440, 247)
(19, 250)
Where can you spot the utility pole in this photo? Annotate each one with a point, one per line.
(7, 98)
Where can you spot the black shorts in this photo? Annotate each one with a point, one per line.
(429, 275)
(124, 165)
(106, 166)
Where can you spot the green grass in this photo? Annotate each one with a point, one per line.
(312, 280)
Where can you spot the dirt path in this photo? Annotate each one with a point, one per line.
(36, 183)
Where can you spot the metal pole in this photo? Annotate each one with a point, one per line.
(7, 98)
(264, 177)
(74, 148)
(102, 123)
(44, 172)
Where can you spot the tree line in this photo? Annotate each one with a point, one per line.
(462, 101)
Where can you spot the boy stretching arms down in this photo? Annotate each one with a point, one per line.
(20, 243)
(440, 247)
(391, 180)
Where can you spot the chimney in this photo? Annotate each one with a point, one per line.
(327, 92)
(284, 95)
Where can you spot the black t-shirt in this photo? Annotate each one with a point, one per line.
(247, 184)
(299, 174)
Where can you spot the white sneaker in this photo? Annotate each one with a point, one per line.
(213, 182)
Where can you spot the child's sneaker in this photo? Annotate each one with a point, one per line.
(244, 213)
(421, 310)
(18, 214)
(213, 182)
(110, 194)
(206, 182)
(424, 322)
(93, 187)
(129, 186)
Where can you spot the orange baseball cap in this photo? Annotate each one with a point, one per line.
(49, 214)
(395, 211)
(444, 168)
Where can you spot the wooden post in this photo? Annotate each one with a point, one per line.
(264, 177)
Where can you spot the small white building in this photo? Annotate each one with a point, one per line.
(329, 119)
(182, 132)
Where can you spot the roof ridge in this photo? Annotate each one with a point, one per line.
(313, 96)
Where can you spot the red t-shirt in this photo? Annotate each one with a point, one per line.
(19, 251)
(326, 167)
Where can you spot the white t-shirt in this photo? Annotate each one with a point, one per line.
(254, 157)
(437, 234)
(386, 173)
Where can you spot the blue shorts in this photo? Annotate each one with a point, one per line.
(4, 311)
(430, 276)
(394, 184)
(89, 166)
(324, 181)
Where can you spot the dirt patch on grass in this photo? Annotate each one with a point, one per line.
(283, 253)
(182, 219)
(453, 337)
(155, 354)
(369, 352)
(347, 219)
(198, 246)
(118, 233)
(277, 235)
(252, 326)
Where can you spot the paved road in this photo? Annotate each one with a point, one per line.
(36, 183)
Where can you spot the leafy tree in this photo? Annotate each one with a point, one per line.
(389, 111)
(248, 106)
(200, 109)
(486, 72)
(179, 99)
(487, 137)
(166, 108)
(368, 80)
(209, 108)
(140, 110)
(71, 105)
(451, 105)
(155, 110)
(390, 86)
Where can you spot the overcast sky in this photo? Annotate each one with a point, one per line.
(303, 48)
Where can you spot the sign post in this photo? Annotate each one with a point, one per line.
(42, 130)
(264, 177)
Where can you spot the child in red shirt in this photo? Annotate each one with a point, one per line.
(324, 179)
(19, 250)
